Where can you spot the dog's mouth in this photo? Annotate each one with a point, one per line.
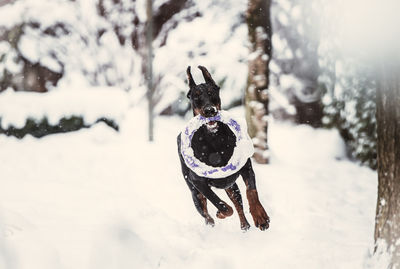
(212, 126)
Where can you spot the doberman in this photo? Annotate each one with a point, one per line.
(211, 144)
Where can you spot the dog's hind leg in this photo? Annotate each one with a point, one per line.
(224, 210)
(234, 194)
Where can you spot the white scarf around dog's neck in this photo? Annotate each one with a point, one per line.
(242, 151)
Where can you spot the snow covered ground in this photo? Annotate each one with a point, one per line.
(101, 199)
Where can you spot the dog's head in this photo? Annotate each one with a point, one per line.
(204, 97)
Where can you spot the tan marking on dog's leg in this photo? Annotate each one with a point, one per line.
(207, 217)
(260, 217)
(244, 224)
(227, 213)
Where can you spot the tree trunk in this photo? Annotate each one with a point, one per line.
(149, 68)
(387, 222)
(256, 96)
(309, 113)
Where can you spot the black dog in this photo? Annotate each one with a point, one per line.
(213, 144)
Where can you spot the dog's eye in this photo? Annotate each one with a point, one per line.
(215, 100)
(197, 101)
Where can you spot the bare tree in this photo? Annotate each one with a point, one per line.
(256, 97)
(387, 222)
(149, 67)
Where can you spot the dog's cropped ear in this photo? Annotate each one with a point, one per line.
(190, 78)
(207, 76)
(191, 81)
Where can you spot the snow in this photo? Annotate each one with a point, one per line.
(96, 198)
(280, 101)
(9, 58)
(90, 103)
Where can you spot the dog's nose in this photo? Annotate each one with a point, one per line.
(210, 111)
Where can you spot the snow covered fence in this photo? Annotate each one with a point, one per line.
(61, 110)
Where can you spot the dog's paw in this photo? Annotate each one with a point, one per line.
(260, 217)
(244, 226)
(210, 221)
(223, 214)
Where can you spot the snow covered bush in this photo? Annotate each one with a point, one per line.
(16, 70)
(59, 111)
(294, 67)
(350, 107)
(72, 41)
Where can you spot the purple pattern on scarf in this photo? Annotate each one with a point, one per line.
(189, 160)
(190, 137)
(212, 171)
(215, 118)
(234, 124)
(229, 166)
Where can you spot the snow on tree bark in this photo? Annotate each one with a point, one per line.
(387, 222)
(256, 96)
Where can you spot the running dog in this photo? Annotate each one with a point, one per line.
(213, 144)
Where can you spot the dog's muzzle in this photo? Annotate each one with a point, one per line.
(210, 111)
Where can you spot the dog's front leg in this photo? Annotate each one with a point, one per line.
(260, 217)
(199, 200)
(235, 196)
(224, 210)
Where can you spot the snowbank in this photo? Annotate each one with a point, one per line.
(306, 145)
(90, 103)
